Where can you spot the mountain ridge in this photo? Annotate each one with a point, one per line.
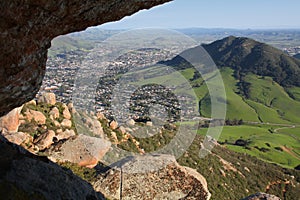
(246, 55)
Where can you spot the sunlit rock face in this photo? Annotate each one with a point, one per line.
(27, 28)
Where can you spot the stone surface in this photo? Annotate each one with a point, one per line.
(71, 108)
(100, 115)
(16, 137)
(83, 150)
(29, 174)
(26, 31)
(113, 125)
(152, 177)
(32, 102)
(88, 124)
(64, 134)
(37, 116)
(48, 98)
(10, 121)
(130, 122)
(45, 140)
(66, 112)
(261, 196)
(54, 113)
(66, 123)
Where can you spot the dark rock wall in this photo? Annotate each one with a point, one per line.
(27, 28)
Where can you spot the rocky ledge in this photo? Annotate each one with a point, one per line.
(261, 196)
(46, 127)
(38, 126)
(152, 177)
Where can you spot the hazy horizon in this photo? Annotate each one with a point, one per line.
(231, 14)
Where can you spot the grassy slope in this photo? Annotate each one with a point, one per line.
(268, 101)
(261, 137)
(63, 44)
(294, 92)
(236, 106)
(271, 95)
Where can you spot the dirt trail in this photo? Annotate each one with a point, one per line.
(287, 127)
(290, 152)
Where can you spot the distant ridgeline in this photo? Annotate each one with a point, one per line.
(244, 56)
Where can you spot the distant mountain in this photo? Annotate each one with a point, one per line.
(262, 83)
(245, 55)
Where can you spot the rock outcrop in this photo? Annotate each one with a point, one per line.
(25, 176)
(152, 177)
(261, 196)
(26, 31)
(37, 116)
(45, 140)
(10, 122)
(82, 150)
(48, 98)
(16, 137)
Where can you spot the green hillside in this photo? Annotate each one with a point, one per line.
(65, 44)
(236, 106)
(245, 56)
(271, 95)
(269, 103)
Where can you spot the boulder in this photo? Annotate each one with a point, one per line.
(66, 112)
(113, 125)
(54, 113)
(89, 124)
(45, 140)
(16, 137)
(60, 135)
(66, 123)
(261, 196)
(37, 116)
(10, 121)
(114, 136)
(83, 150)
(56, 123)
(152, 177)
(48, 98)
(71, 108)
(32, 102)
(34, 177)
(100, 115)
(130, 122)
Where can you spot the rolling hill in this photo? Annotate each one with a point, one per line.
(262, 83)
(246, 56)
(262, 89)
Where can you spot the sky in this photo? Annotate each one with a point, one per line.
(240, 14)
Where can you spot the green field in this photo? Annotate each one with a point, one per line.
(281, 147)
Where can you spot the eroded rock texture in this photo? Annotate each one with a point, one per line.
(27, 28)
(26, 176)
(152, 177)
